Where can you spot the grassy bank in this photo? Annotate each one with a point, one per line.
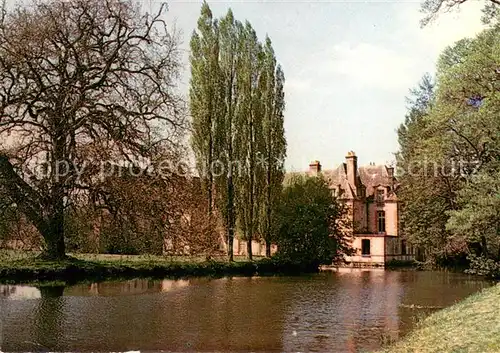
(472, 325)
(25, 268)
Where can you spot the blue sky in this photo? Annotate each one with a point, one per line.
(348, 67)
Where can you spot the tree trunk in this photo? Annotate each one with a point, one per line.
(484, 246)
(230, 216)
(209, 171)
(267, 235)
(54, 235)
(56, 249)
(251, 186)
(249, 247)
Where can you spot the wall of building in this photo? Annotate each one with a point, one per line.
(258, 248)
(382, 250)
(391, 217)
(377, 251)
(394, 250)
(359, 213)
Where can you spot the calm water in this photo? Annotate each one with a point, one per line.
(350, 311)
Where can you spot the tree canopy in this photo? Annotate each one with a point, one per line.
(311, 225)
(81, 82)
(450, 152)
(237, 105)
(432, 8)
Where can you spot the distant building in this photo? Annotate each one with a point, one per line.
(370, 192)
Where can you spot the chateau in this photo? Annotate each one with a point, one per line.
(370, 192)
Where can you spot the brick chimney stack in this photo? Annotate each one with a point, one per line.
(352, 168)
(390, 173)
(315, 167)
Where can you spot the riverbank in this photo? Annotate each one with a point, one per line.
(79, 268)
(472, 325)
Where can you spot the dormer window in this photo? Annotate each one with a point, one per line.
(380, 195)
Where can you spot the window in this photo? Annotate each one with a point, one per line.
(380, 195)
(403, 247)
(381, 221)
(365, 247)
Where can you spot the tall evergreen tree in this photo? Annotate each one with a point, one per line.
(250, 114)
(205, 98)
(229, 59)
(274, 152)
(237, 106)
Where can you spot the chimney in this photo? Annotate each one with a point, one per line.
(315, 167)
(352, 168)
(390, 173)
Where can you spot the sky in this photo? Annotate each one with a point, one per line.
(348, 66)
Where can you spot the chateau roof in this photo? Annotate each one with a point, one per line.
(370, 177)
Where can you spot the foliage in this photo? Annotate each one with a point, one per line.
(237, 104)
(449, 155)
(432, 8)
(16, 231)
(424, 192)
(478, 214)
(81, 269)
(81, 82)
(310, 223)
(483, 266)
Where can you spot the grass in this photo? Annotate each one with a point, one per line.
(15, 255)
(24, 267)
(472, 325)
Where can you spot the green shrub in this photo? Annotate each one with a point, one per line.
(309, 224)
(482, 266)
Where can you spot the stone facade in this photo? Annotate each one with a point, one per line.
(370, 192)
(258, 247)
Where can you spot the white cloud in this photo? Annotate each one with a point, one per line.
(398, 62)
(369, 65)
(297, 85)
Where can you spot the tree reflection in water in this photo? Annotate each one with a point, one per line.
(48, 319)
(345, 312)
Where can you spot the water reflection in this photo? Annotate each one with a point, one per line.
(48, 319)
(364, 305)
(346, 312)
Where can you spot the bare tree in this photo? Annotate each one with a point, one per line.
(432, 8)
(72, 74)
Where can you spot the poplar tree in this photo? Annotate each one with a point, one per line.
(274, 151)
(250, 142)
(205, 98)
(237, 105)
(229, 59)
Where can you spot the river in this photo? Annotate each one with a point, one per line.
(346, 311)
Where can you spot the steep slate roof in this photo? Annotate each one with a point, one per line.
(338, 178)
(370, 176)
(373, 176)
